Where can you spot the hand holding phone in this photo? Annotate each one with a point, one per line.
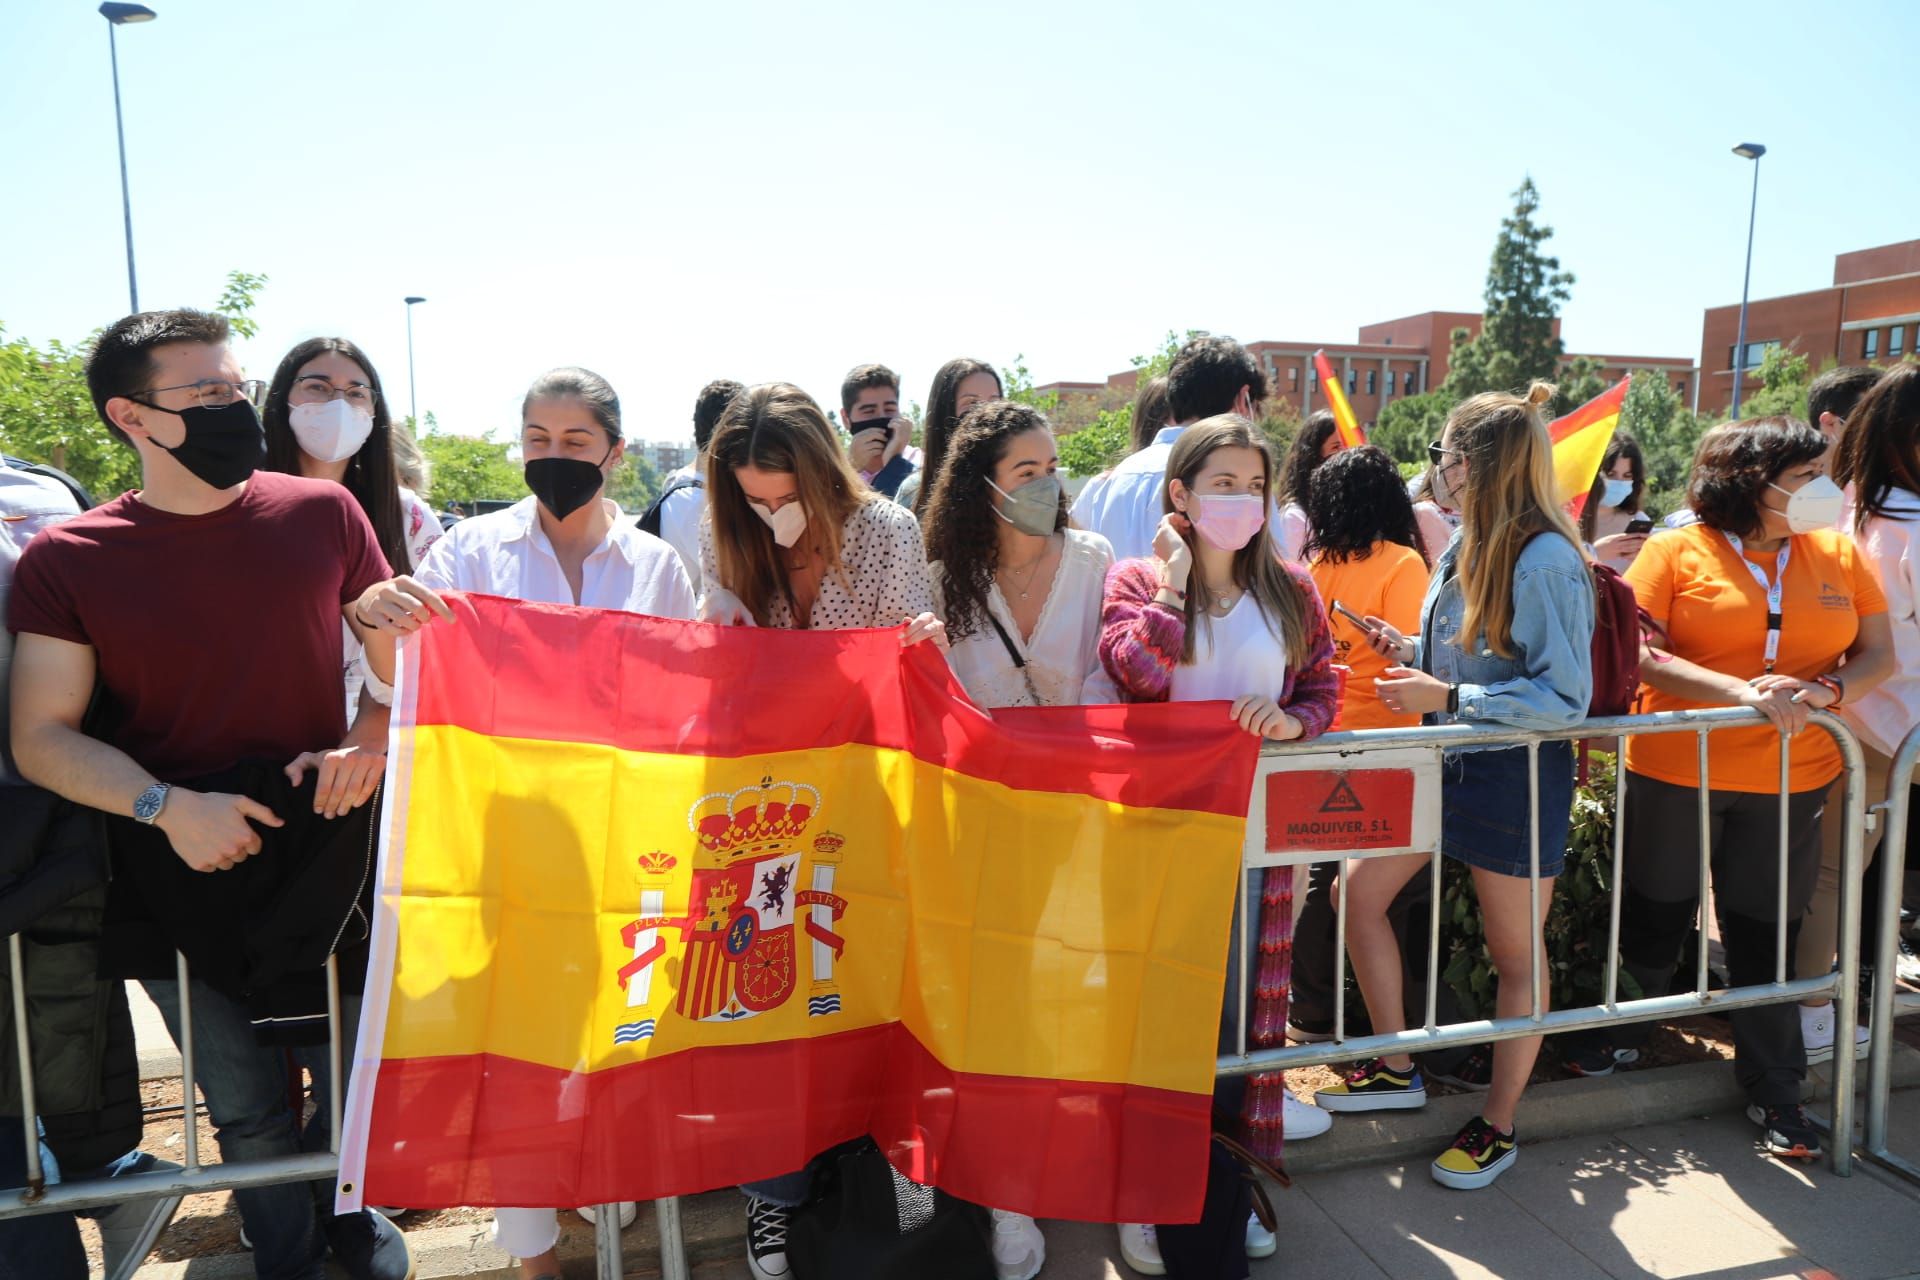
(1353, 617)
(1640, 524)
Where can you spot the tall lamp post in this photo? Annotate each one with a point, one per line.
(118, 15)
(1747, 151)
(413, 397)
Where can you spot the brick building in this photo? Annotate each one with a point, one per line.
(1390, 360)
(1869, 314)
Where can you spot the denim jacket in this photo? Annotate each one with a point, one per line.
(1548, 683)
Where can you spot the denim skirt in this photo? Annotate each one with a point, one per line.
(1483, 808)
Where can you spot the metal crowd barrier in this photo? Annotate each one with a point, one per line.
(166, 1188)
(1349, 752)
(1895, 816)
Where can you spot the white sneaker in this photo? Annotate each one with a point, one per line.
(1260, 1241)
(1816, 1033)
(628, 1212)
(1140, 1248)
(1302, 1120)
(1019, 1250)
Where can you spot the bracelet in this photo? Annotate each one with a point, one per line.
(360, 616)
(1832, 685)
(1178, 591)
(1453, 699)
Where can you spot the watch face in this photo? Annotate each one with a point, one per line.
(147, 807)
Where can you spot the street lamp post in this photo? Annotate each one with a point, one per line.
(118, 15)
(413, 397)
(1748, 151)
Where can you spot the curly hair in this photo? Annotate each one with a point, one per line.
(1735, 463)
(1355, 501)
(1304, 455)
(962, 523)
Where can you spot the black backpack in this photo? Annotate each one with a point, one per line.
(649, 521)
(864, 1221)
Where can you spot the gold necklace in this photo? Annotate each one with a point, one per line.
(1032, 573)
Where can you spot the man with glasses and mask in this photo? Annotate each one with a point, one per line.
(206, 607)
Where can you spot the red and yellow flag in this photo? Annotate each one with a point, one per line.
(667, 906)
(1580, 444)
(1351, 436)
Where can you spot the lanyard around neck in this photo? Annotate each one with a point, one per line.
(1773, 590)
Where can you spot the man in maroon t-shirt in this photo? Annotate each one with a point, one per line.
(207, 607)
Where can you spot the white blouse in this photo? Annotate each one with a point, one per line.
(1062, 654)
(1233, 655)
(506, 553)
(881, 580)
(422, 530)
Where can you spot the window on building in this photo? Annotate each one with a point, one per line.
(1313, 379)
(1373, 383)
(1870, 345)
(1353, 383)
(1408, 384)
(1680, 386)
(1896, 339)
(1293, 377)
(1756, 354)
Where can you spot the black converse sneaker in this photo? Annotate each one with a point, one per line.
(766, 1240)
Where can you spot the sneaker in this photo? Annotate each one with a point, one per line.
(1597, 1058)
(368, 1247)
(1375, 1086)
(1789, 1134)
(1019, 1250)
(1906, 964)
(1260, 1241)
(1302, 1120)
(1480, 1153)
(766, 1239)
(1816, 1033)
(1140, 1248)
(628, 1212)
(1473, 1072)
(120, 1226)
(1309, 1030)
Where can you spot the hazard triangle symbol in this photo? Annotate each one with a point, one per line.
(1342, 799)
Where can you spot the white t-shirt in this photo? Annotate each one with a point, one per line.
(1291, 533)
(1886, 714)
(1234, 655)
(680, 514)
(1123, 506)
(422, 529)
(506, 553)
(1062, 655)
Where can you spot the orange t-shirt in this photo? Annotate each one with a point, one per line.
(1389, 583)
(1716, 617)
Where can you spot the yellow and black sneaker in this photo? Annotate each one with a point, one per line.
(1479, 1154)
(1375, 1086)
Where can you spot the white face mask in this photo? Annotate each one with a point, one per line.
(1618, 491)
(1815, 505)
(332, 430)
(788, 523)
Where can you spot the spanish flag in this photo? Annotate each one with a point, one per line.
(1351, 436)
(1580, 444)
(666, 906)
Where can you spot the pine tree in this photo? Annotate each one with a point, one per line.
(1525, 287)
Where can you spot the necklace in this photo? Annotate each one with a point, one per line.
(1032, 572)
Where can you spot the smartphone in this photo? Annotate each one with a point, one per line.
(1352, 617)
(1640, 524)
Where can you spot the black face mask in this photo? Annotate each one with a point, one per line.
(223, 446)
(564, 485)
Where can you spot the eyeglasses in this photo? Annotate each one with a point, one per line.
(212, 393)
(313, 388)
(1438, 456)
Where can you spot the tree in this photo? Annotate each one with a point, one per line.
(1784, 376)
(1407, 425)
(46, 411)
(466, 469)
(1579, 381)
(1525, 288)
(1666, 432)
(635, 483)
(1100, 444)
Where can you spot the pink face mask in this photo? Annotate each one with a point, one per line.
(1228, 520)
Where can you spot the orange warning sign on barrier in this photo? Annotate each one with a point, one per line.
(1332, 810)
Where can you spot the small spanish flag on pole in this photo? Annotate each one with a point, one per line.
(1580, 444)
(1351, 436)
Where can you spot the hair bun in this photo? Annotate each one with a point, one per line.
(1539, 394)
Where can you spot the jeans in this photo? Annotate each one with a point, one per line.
(250, 1100)
(47, 1246)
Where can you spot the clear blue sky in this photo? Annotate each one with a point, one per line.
(670, 193)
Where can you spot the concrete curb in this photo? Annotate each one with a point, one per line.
(714, 1223)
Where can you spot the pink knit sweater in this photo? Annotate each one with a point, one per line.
(1140, 644)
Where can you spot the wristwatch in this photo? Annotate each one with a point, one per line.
(149, 803)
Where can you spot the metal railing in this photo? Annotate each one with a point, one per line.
(166, 1188)
(1895, 816)
(1349, 751)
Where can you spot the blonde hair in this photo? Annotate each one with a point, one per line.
(1256, 569)
(410, 464)
(1509, 499)
(776, 427)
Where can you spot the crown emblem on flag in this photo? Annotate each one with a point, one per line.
(657, 863)
(828, 842)
(770, 814)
